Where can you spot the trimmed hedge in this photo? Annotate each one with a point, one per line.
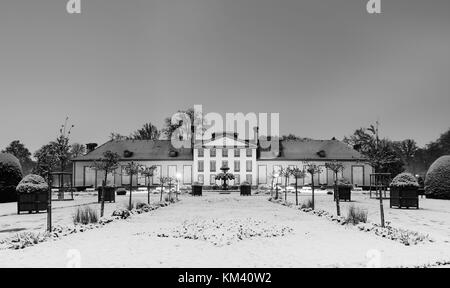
(32, 184)
(10, 169)
(404, 180)
(10, 176)
(437, 181)
(344, 183)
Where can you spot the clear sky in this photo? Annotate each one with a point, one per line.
(327, 66)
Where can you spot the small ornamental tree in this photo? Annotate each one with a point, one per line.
(107, 164)
(132, 169)
(148, 173)
(336, 167)
(285, 173)
(297, 173)
(313, 170)
(162, 182)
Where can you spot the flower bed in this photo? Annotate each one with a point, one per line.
(226, 232)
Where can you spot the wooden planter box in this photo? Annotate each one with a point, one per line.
(404, 197)
(246, 190)
(30, 202)
(345, 194)
(197, 190)
(110, 194)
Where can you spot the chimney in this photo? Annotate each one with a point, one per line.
(256, 134)
(91, 147)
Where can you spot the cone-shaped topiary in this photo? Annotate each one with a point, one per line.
(405, 180)
(10, 176)
(437, 181)
(32, 184)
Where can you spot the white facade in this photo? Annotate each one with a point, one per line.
(84, 175)
(239, 156)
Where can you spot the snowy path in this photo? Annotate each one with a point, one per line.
(314, 242)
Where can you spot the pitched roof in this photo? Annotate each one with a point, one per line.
(314, 150)
(141, 150)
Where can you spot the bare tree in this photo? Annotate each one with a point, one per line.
(286, 173)
(313, 170)
(148, 173)
(107, 164)
(147, 132)
(297, 173)
(132, 169)
(336, 167)
(162, 181)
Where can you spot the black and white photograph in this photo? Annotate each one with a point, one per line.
(224, 134)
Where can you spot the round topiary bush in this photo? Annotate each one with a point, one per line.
(344, 183)
(10, 176)
(437, 180)
(10, 169)
(32, 184)
(404, 180)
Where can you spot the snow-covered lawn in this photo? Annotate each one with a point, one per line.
(258, 233)
(62, 211)
(432, 218)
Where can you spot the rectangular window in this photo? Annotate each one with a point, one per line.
(237, 152)
(237, 179)
(201, 178)
(212, 179)
(248, 165)
(237, 166)
(201, 152)
(248, 178)
(249, 152)
(224, 152)
(201, 166)
(212, 152)
(224, 163)
(212, 165)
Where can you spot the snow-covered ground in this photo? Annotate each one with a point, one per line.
(62, 211)
(258, 233)
(432, 217)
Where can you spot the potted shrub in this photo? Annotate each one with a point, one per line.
(344, 187)
(110, 194)
(246, 189)
(121, 191)
(32, 194)
(404, 191)
(197, 189)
